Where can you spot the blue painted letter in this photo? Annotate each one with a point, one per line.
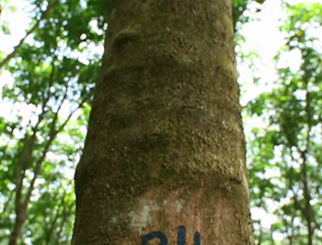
(181, 236)
(181, 240)
(196, 238)
(155, 234)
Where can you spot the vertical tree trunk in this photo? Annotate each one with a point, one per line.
(21, 216)
(164, 158)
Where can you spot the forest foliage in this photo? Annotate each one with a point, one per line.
(44, 114)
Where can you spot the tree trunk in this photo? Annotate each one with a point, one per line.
(164, 157)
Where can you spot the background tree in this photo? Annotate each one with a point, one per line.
(41, 141)
(285, 156)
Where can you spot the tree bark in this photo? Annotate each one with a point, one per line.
(164, 157)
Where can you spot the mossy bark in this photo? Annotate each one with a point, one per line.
(165, 145)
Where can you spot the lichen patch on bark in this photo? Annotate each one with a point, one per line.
(214, 216)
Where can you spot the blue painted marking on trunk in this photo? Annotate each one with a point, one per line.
(196, 238)
(155, 234)
(181, 240)
(181, 235)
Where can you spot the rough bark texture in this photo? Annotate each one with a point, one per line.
(165, 145)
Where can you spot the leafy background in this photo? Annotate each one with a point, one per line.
(44, 113)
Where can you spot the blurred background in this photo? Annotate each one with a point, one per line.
(50, 53)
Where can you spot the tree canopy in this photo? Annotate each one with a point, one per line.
(44, 113)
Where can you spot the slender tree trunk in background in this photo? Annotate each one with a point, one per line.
(21, 216)
(164, 158)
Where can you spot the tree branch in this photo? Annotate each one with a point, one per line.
(42, 17)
